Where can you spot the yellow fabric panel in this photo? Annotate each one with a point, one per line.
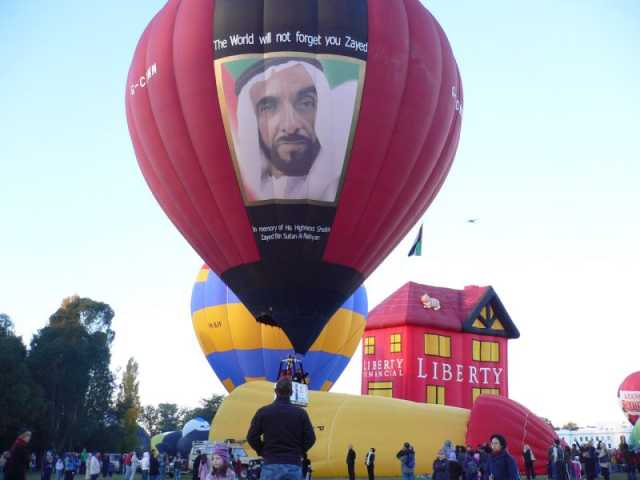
(228, 384)
(478, 324)
(356, 330)
(445, 346)
(368, 341)
(203, 275)
(254, 379)
(497, 325)
(211, 327)
(495, 352)
(340, 420)
(476, 350)
(326, 386)
(483, 313)
(431, 344)
(231, 326)
(441, 399)
(273, 337)
(336, 333)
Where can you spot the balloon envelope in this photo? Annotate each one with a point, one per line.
(629, 397)
(143, 439)
(294, 197)
(495, 414)
(239, 349)
(186, 442)
(166, 442)
(198, 423)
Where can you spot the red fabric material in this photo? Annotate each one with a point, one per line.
(405, 308)
(406, 138)
(492, 414)
(630, 384)
(404, 144)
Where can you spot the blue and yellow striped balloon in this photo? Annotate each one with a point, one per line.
(240, 350)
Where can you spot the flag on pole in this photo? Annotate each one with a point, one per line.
(416, 249)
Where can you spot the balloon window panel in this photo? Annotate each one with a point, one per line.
(437, 345)
(370, 345)
(485, 351)
(380, 389)
(395, 343)
(476, 392)
(435, 395)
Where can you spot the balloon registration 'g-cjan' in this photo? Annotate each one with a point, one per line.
(239, 349)
(294, 143)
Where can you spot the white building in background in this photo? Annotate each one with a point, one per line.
(609, 433)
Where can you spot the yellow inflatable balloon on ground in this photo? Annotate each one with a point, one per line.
(239, 349)
(364, 422)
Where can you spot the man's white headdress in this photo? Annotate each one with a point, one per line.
(332, 126)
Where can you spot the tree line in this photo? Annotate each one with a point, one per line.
(63, 389)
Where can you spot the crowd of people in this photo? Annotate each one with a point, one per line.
(282, 434)
(17, 462)
(589, 461)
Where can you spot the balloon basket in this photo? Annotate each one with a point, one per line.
(292, 369)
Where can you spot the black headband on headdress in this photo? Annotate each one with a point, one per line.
(262, 66)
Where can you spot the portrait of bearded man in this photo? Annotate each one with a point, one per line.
(292, 130)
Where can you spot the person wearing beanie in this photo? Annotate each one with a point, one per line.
(281, 433)
(220, 466)
(19, 457)
(501, 465)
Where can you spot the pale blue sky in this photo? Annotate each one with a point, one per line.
(548, 161)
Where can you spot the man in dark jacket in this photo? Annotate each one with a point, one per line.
(19, 458)
(351, 462)
(281, 433)
(556, 461)
(501, 465)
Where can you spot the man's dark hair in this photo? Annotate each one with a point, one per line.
(284, 389)
(263, 65)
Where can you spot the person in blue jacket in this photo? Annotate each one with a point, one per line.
(501, 465)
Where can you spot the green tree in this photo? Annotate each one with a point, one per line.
(20, 399)
(6, 325)
(169, 417)
(150, 419)
(570, 426)
(207, 409)
(128, 407)
(69, 358)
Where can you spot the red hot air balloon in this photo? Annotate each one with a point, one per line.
(629, 397)
(494, 414)
(294, 142)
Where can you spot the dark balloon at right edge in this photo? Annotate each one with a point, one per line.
(294, 143)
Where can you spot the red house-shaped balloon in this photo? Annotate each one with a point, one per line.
(438, 345)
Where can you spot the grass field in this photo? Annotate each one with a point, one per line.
(187, 476)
